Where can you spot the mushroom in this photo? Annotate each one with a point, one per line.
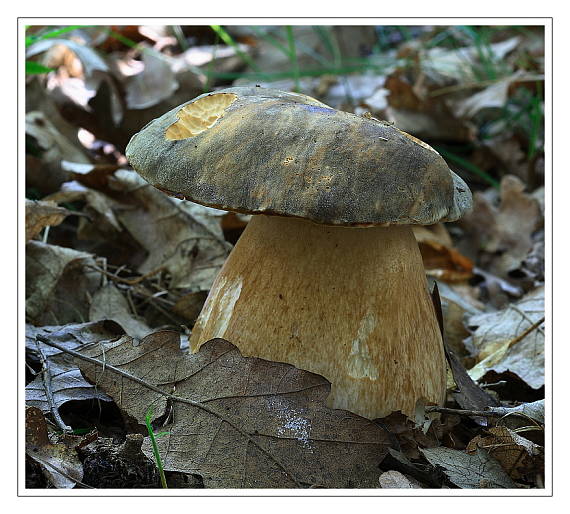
(327, 275)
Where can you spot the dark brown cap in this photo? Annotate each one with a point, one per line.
(264, 151)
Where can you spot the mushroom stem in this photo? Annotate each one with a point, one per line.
(350, 304)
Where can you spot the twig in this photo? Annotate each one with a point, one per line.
(127, 281)
(464, 412)
(526, 332)
(172, 397)
(494, 412)
(46, 378)
(525, 316)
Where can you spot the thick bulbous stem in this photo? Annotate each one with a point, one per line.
(350, 304)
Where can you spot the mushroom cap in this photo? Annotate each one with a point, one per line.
(263, 151)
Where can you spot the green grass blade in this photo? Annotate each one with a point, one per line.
(179, 35)
(156, 453)
(229, 40)
(35, 68)
(536, 115)
(293, 58)
(468, 165)
(33, 38)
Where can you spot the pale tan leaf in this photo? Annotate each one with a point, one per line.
(478, 471)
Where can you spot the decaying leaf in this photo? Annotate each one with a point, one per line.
(468, 394)
(109, 303)
(60, 381)
(155, 83)
(494, 96)
(477, 471)
(58, 282)
(517, 455)
(497, 343)
(59, 462)
(410, 437)
(99, 207)
(397, 480)
(440, 259)
(239, 422)
(504, 232)
(187, 248)
(53, 145)
(42, 214)
(457, 302)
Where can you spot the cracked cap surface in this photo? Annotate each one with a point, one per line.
(264, 151)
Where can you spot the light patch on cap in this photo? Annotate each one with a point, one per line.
(199, 116)
(359, 364)
(418, 141)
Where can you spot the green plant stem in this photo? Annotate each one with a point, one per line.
(229, 40)
(155, 451)
(468, 166)
(293, 58)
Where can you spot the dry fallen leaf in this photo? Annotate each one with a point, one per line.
(457, 302)
(477, 471)
(504, 233)
(187, 248)
(58, 283)
(109, 303)
(517, 455)
(60, 381)
(59, 462)
(254, 423)
(496, 340)
(154, 84)
(98, 206)
(440, 259)
(42, 214)
(397, 480)
(53, 145)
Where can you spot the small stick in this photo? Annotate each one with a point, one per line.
(127, 281)
(46, 378)
(526, 332)
(464, 412)
(495, 412)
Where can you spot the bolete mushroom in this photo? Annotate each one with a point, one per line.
(327, 275)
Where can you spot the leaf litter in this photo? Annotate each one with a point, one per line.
(109, 261)
(265, 424)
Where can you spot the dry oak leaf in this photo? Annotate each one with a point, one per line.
(250, 423)
(440, 259)
(187, 247)
(497, 345)
(59, 462)
(504, 233)
(517, 455)
(477, 471)
(60, 380)
(58, 283)
(42, 214)
(109, 303)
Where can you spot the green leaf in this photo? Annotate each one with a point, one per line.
(35, 68)
(52, 33)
